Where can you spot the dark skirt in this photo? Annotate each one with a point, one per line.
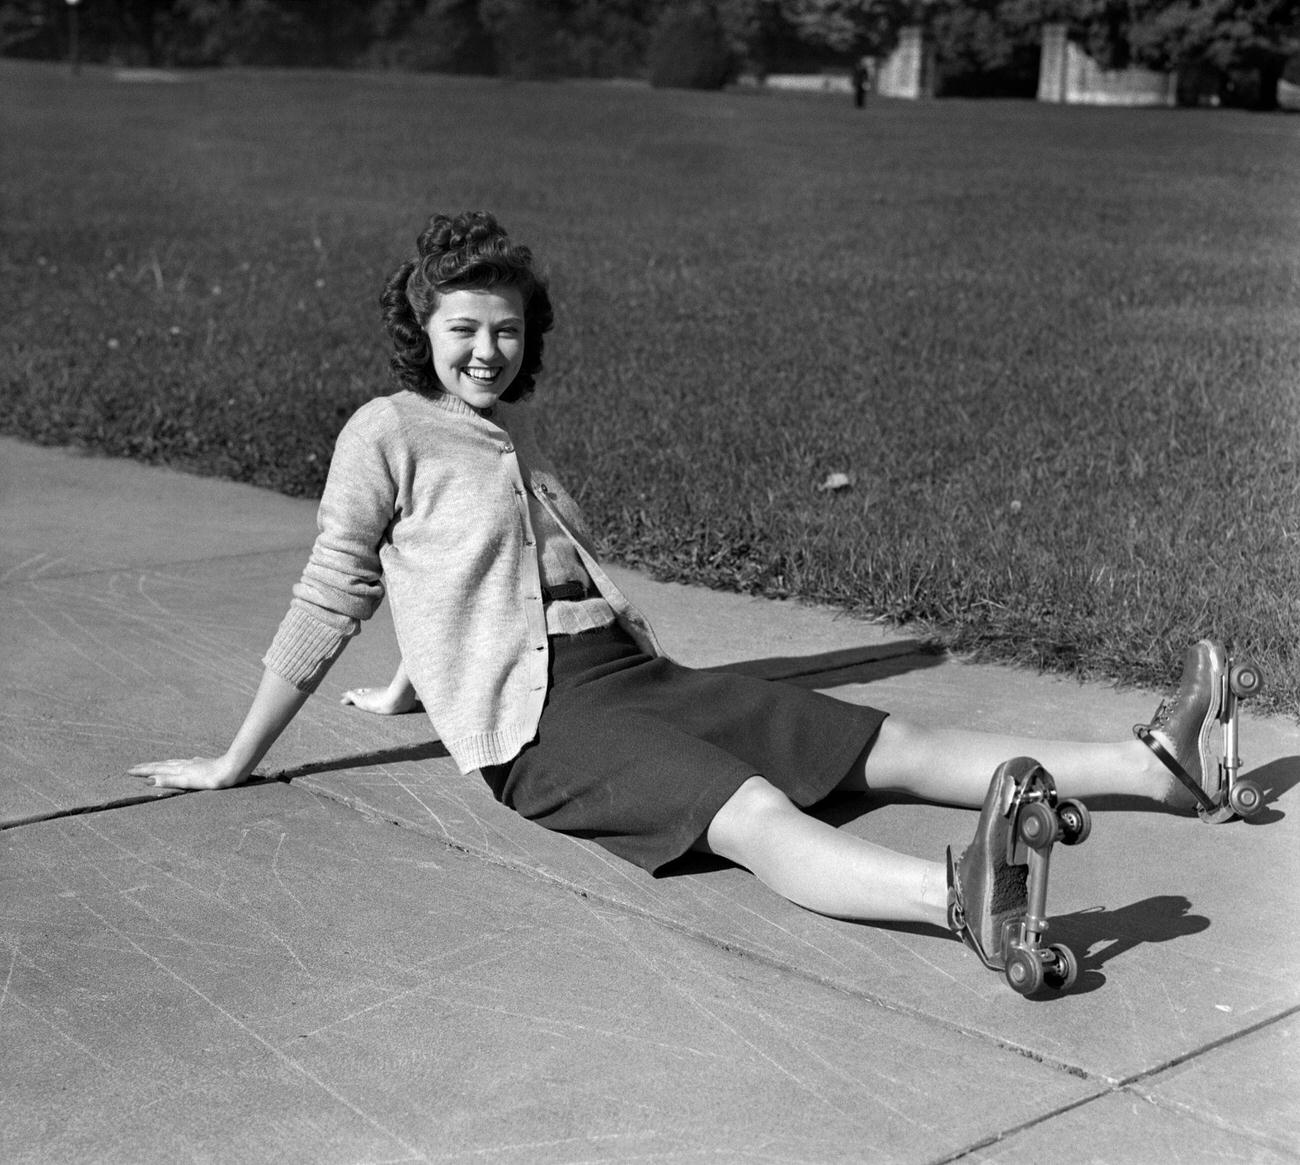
(639, 754)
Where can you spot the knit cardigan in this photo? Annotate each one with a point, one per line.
(427, 500)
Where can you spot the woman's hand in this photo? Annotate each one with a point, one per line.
(393, 700)
(276, 703)
(381, 701)
(198, 772)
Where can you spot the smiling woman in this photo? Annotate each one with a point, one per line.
(535, 669)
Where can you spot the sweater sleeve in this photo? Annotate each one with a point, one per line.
(342, 583)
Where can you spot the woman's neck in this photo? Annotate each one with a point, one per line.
(453, 404)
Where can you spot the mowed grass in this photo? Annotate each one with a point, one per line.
(1056, 349)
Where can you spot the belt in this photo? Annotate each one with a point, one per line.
(564, 592)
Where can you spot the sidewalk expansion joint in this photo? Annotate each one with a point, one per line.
(87, 810)
(1213, 1045)
(1024, 1126)
(1129, 1086)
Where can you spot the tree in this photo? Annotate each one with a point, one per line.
(527, 36)
(1256, 36)
(446, 37)
(608, 38)
(689, 49)
(855, 27)
(984, 47)
(245, 32)
(29, 28)
(1101, 28)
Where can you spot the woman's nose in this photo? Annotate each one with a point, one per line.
(485, 346)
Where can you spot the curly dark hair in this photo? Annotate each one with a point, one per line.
(470, 252)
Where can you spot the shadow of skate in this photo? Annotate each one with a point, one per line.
(1275, 779)
(1098, 935)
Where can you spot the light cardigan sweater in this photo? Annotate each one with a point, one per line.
(428, 498)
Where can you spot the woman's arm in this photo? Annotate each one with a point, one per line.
(340, 587)
(393, 700)
(276, 703)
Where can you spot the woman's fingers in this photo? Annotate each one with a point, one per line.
(154, 768)
(195, 773)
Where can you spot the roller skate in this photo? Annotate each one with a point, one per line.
(1182, 732)
(997, 891)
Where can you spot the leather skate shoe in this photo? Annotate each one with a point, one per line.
(984, 889)
(1179, 733)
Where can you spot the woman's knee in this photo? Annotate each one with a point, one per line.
(900, 748)
(745, 815)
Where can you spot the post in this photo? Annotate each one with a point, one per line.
(74, 48)
(1054, 64)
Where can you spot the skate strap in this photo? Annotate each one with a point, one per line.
(1170, 762)
(957, 915)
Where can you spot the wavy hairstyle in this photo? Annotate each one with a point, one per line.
(470, 252)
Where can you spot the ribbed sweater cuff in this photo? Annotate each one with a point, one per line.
(481, 749)
(303, 650)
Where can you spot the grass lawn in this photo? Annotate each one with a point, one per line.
(1057, 349)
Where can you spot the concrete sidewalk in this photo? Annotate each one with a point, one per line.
(372, 961)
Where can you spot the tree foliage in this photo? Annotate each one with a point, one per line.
(689, 49)
(1231, 37)
(859, 27)
(448, 36)
(984, 47)
(980, 45)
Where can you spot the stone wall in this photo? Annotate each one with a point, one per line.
(1066, 75)
(1069, 76)
(909, 70)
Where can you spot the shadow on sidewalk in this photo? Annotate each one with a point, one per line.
(429, 750)
(1097, 935)
(1274, 779)
(831, 669)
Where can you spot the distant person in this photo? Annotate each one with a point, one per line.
(861, 82)
(535, 669)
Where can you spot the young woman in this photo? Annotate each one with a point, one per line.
(536, 670)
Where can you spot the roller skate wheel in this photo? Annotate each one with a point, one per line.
(1024, 972)
(1037, 825)
(1076, 822)
(1063, 969)
(1246, 798)
(1245, 679)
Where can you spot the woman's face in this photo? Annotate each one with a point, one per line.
(477, 339)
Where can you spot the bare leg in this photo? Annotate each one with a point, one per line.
(823, 868)
(953, 766)
(832, 872)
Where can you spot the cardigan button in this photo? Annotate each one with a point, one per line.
(507, 448)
